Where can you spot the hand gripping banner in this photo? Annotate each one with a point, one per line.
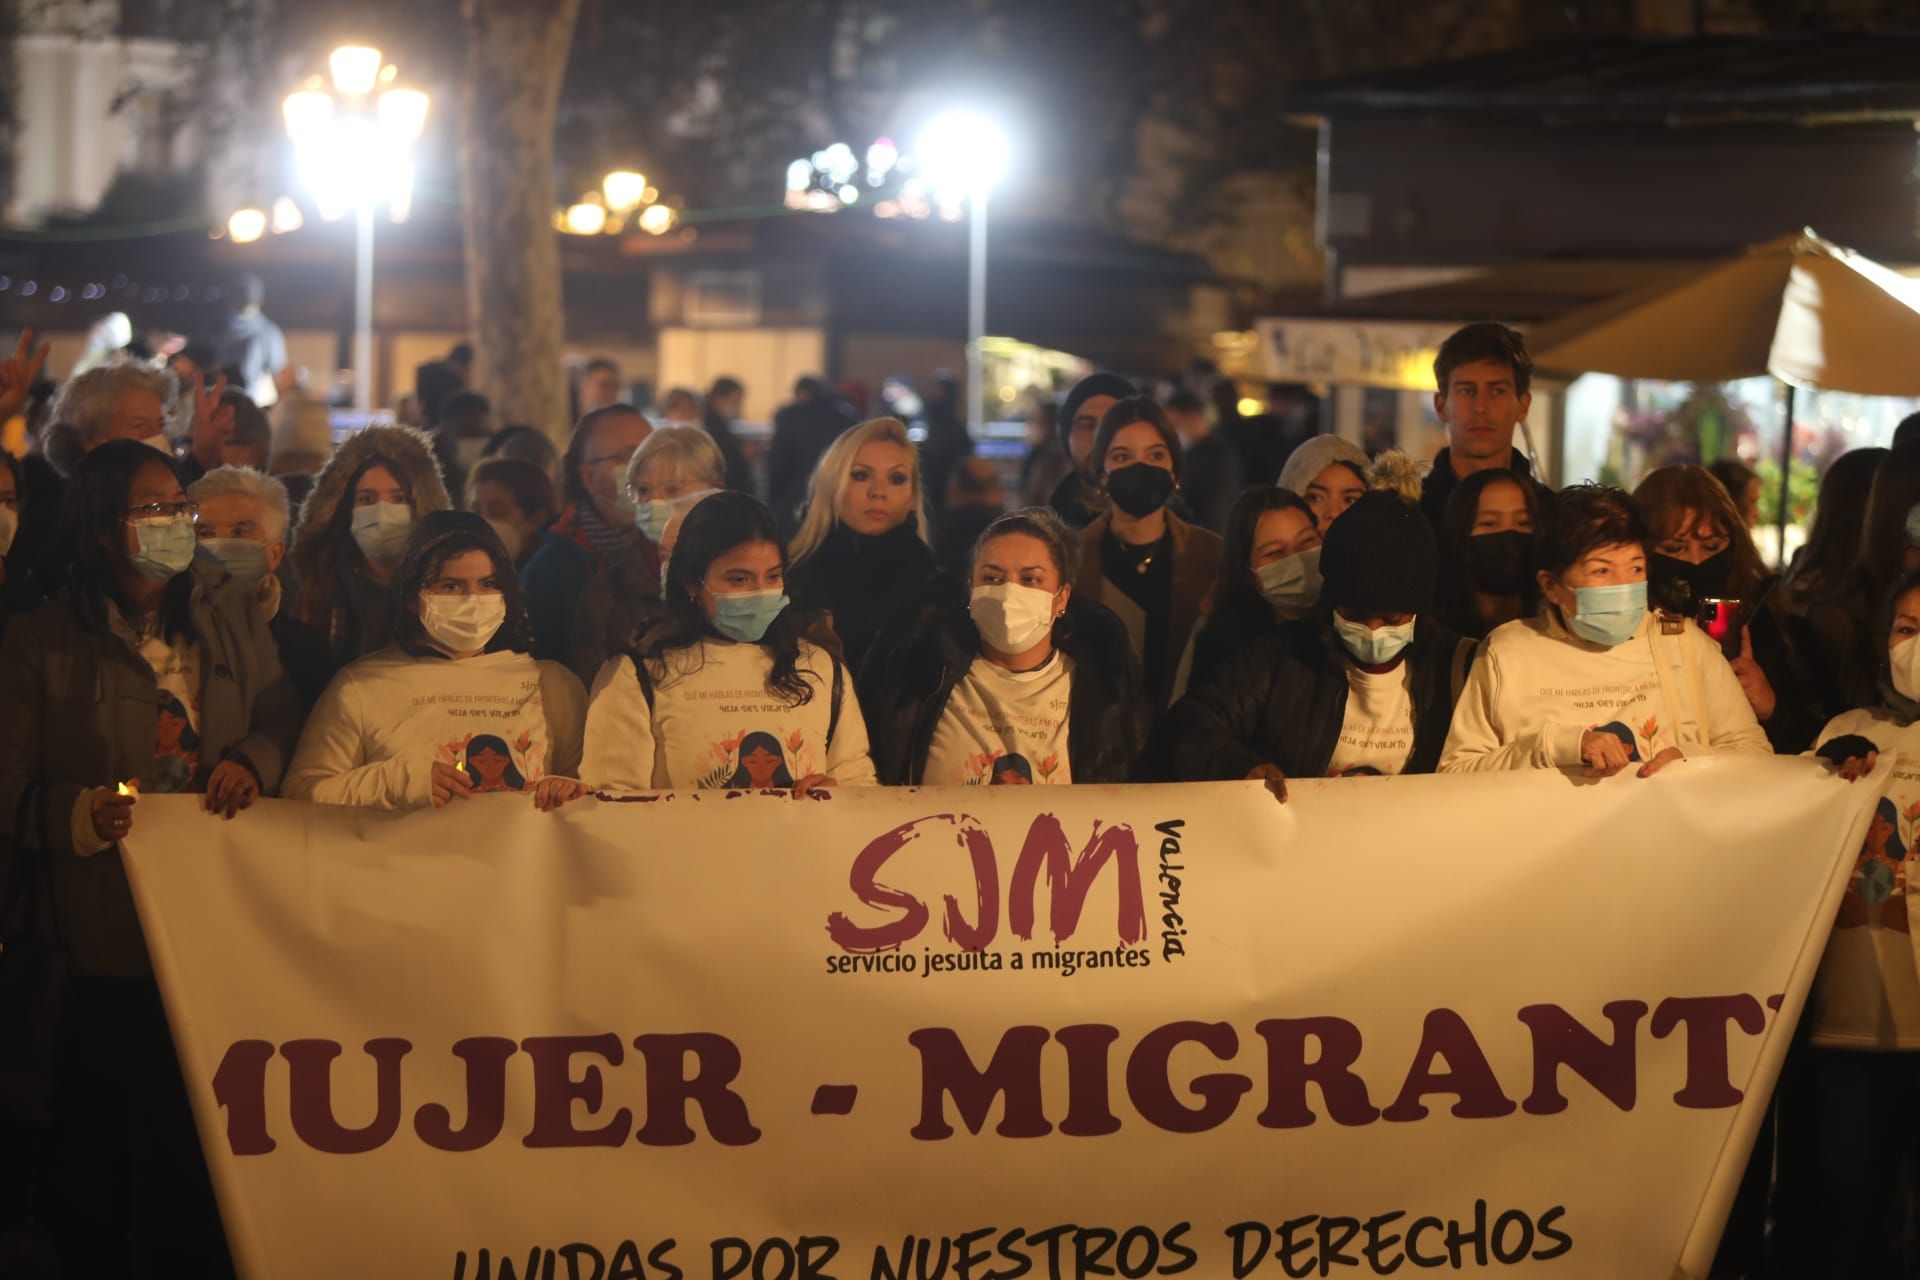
(1513, 1023)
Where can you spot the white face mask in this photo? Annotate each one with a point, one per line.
(463, 624)
(1012, 618)
(1373, 646)
(159, 442)
(9, 525)
(1904, 662)
(381, 530)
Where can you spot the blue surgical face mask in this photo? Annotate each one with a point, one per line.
(746, 615)
(1608, 615)
(1291, 584)
(1373, 646)
(244, 559)
(381, 529)
(165, 546)
(651, 517)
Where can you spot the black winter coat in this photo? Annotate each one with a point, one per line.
(915, 668)
(866, 584)
(1281, 700)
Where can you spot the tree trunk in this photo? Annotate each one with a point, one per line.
(516, 59)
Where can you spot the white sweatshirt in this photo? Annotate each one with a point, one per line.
(713, 724)
(1867, 993)
(1537, 689)
(373, 737)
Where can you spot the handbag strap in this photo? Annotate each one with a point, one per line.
(1678, 656)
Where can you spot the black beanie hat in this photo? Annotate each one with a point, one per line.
(1094, 384)
(1380, 556)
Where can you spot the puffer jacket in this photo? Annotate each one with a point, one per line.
(77, 710)
(913, 670)
(1282, 698)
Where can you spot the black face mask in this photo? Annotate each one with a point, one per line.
(1140, 489)
(1679, 587)
(1499, 562)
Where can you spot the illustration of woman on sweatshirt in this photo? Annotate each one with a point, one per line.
(489, 763)
(762, 763)
(1878, 888)
(176, 747)
(1012, 770)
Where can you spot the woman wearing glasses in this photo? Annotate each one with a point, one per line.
(595, 527)
(145, 671)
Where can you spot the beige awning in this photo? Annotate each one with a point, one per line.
(1799, 308)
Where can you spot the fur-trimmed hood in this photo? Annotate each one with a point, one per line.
(409, 453)
(316, 566)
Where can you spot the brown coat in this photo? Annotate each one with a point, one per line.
(1196, 563)
(78, 705)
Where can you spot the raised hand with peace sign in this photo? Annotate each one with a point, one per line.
(18, 372)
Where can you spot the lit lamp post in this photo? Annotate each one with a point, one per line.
(352, 150)
(963, 155)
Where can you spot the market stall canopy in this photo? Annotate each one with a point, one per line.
(1799, 308)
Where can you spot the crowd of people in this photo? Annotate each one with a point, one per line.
(415, 618)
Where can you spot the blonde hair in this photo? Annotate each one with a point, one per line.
(830, 481)
(690, 449)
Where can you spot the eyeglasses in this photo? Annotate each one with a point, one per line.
(620, 458)
(164, 511)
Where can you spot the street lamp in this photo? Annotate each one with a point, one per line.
(624, 190)
(352, 148)
(963, 154)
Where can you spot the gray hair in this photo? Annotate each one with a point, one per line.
(87, 402)
(243, 482)
(690, 449)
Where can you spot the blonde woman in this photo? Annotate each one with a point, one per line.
(861, 554)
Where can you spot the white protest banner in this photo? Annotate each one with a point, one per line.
(1515, 1023)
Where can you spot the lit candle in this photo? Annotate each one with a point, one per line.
(127, 788)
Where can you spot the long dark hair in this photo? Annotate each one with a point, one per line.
(715, 526)
(1821, 566)
(1883, 532)
(514, 779)
(1239, 610)
(1670, 492)
(92, 526)
(320, 566)
(438, 537)
(762, 741)
(1456, 607)
(1125, 413)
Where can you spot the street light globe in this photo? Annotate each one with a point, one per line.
(585, 219)
(355, 68)
(624, 190)
(403, 112)
(963, 152)
(246, 225)
(307, 113)
(287, 216)
(657, 219)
